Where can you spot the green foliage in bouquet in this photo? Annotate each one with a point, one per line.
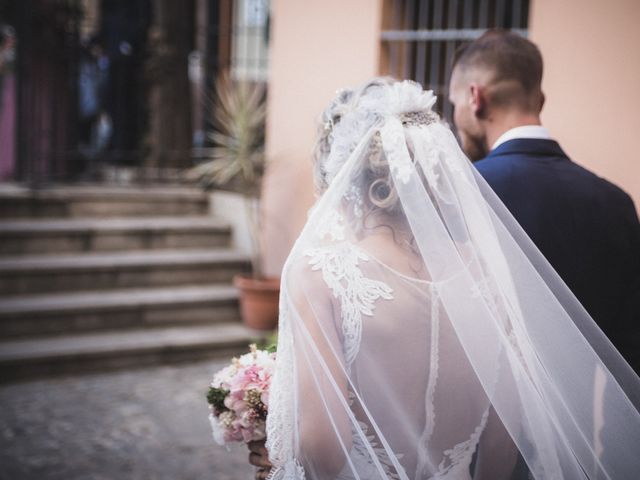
(269, 343)
(215, 397)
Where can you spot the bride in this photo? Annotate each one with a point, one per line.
(422, 335)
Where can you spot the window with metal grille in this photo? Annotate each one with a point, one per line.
(420, 37)
(249, 49)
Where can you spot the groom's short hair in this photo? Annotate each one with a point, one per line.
(511, 59)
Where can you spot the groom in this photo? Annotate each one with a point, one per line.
(585, 226)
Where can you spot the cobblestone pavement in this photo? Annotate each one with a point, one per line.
(147, 424)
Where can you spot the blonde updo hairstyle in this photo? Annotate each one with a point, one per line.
(372, 191)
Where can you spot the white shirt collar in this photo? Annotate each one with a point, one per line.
(525, 131)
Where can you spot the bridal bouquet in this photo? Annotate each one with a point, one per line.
(239, 397)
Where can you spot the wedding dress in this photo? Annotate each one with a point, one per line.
(423, 336)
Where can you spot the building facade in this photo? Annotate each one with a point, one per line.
(94, 85)
(590, 80)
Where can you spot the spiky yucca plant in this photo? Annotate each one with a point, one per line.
(236, 161)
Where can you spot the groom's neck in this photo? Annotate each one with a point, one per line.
(503, 121)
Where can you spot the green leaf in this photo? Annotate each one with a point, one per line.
(215, 397)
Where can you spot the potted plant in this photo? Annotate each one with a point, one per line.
(236, 162)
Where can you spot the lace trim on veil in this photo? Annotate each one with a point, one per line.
(281, 418)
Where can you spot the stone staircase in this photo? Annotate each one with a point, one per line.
(98, 277)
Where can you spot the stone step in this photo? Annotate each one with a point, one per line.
(21, 359)
(111, 234)
(101, 201)
(60, 314)
(118, 270)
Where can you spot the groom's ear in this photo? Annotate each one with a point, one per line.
(478, 100)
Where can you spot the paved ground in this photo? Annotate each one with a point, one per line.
(147, 424)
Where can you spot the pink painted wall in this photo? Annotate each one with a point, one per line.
(317, 47)
(592, 83)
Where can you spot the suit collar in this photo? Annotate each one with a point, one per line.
(529, 146)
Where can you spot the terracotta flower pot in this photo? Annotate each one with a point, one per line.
(258, 301)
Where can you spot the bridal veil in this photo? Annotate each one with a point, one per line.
(422, 335)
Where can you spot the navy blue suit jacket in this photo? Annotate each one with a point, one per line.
(585, 226)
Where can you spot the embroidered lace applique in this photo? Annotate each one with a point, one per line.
(395, 149)
(340, 269)
(363, 453)
(459, 457)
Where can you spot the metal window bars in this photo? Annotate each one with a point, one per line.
(421, 37)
